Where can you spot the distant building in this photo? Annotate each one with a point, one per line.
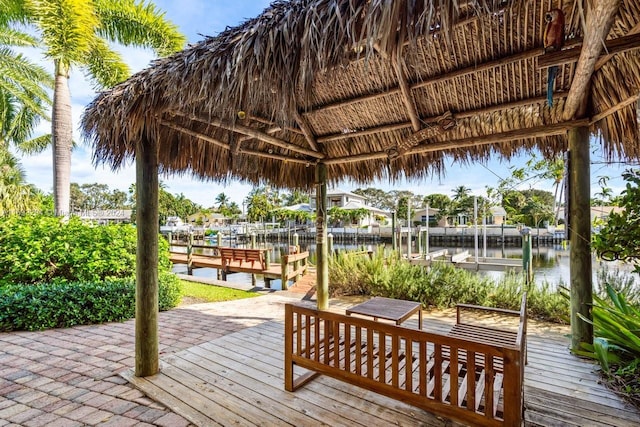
(347, 200)
(206, 220)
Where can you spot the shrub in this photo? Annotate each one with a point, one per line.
(40, 249)
(441, 285)
(59, 305)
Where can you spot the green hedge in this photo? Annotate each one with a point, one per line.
(40, 249)
(59, 305)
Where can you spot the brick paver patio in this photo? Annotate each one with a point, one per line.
(69, 377)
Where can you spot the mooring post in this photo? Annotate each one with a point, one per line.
(190, 253)
(296, 263)
(253, 246)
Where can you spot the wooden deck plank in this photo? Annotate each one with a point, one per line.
(286, 406)
(272, 364)
(246, 368)
(152, 388)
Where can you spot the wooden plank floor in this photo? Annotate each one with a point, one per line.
(238, 379)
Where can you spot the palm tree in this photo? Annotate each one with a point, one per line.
(222, 200)
(15, 195)
(23, 89)
(76, 33)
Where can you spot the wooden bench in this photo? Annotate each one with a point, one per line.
(427, 370)
(240, 256)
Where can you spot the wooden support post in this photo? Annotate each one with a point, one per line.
(322, 281)
(253, 246)
(147, 225)
(330, 244)
(190, 253)
(296, 264)
(527, 258)
(580, 236)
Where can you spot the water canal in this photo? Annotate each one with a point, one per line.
(550, 263)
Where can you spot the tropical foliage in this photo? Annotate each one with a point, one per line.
(78, 34)
(61, 305)
(441, 285)
(620, 236)
(616, 346)
(63, 251)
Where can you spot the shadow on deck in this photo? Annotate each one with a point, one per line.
(238, 379)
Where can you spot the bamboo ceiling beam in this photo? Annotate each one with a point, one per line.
(275, 156)
(612, 47)
(269, 131)
(524, 133)
(306, 131)
(272, 123)
(407, 97)
(195, 134)
(615, 108)
(507, 60)
(246, 130)
(604, 59)
(460, 115)
(599, 22)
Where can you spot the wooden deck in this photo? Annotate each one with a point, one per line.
(238, 379)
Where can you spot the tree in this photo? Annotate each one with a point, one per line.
(16, 196)
(222, 200)
(377, 198)
(23, 87)
(258, 206)
(619, 238)
(296, 197)
(77, 33)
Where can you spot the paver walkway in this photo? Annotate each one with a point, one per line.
(69, 377)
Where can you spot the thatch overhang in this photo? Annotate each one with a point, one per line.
(373, 89)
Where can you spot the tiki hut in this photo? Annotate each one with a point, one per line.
(318, 91)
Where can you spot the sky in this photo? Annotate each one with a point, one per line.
(198, 18)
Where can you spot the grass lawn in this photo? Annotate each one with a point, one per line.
(194, 293)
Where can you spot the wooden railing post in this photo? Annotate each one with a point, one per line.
(296, 263)
(513, 387)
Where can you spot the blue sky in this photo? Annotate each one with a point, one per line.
(208, 17)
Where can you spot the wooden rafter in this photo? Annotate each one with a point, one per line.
(511, 59)
(246, 130)
(604, 59)
(612, 47)
(307, 131)
(407, 97)
(615, 108)
(524, 133)
(430, 120)
(599, 22)
(195, 134)
(276, 157)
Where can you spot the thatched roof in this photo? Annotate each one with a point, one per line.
(371, 88)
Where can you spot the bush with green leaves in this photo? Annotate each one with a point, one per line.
(616, 344)
(60, 305)
(441, 285)
(42, 249)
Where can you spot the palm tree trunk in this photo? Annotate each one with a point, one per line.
(62, 136)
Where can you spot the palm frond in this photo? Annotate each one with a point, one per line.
(66, 28)
(105, 66)
(138, 24)
(12, 37)
(35, 145)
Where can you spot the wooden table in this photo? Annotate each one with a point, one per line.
(396, 310)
